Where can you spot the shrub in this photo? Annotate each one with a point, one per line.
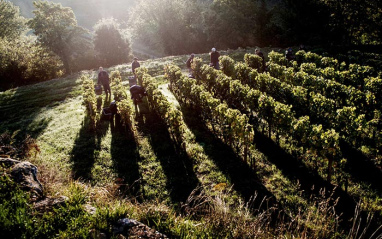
(111, 44)
(254, 61)
(24, 62)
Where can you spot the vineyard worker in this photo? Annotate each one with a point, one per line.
(103, 79)
(302, 47)
(214, 58)
(289, 54)
(259, 53)
(188, 64)
(137, 92)
(135, 65)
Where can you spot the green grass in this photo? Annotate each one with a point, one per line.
(204, 191)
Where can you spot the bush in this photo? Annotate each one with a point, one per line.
(111, 44)
(18, 219)
(277, 58)
(254, 61)
(15, 219)
(86, 61)
(24, 62)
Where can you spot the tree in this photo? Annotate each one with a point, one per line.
(56, 28)
(169, 27)
(11, 23)
(305, 21)
(232, 24)
(110, 42)
(358, 21)
(22, 62)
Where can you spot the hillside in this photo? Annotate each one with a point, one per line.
(200, 188)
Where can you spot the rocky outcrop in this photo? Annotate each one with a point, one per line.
(130, 228)
(25, 174)
(48, 203)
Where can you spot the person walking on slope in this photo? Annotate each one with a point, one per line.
(259, 53)
(135, 65)
(289, 54)
(188, 64)
(103, 79)
(214, 58)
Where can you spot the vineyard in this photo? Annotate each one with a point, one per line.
(290, 149)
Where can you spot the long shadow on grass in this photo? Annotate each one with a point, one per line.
(310, 181)
(361, 168)
(86, 146)
(20, 107)
(241, 175)
(125, 156)
(177, 166)
(83, 152)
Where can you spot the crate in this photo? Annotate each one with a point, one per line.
(98, 89)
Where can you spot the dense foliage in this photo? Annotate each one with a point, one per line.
(110, 42)
(11, 22)
(159, 28)
(56, 29)
(22, 62)
(201, 144)
(199, 25)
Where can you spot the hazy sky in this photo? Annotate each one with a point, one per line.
(87, 12)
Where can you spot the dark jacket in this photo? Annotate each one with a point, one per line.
(189, 61)
(135, 65)
(260, 54)
(214, 57)
(137, 92)
(103, 78)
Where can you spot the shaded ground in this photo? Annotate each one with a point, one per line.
(21, 107)
(240, 174)
(311, 182)
(177, 166)
(361, 168)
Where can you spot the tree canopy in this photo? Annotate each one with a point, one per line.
(56, 28)
(164, 27)
(12, 24)
(110, 42)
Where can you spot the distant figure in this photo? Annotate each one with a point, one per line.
(135, 65)
(188, 64)
(259, 53)
(137, 92)
(214, 58)
(289, 54)
(103, 79)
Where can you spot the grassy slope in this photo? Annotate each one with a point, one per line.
(147, 169)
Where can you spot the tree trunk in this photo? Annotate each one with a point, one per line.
(65, 61)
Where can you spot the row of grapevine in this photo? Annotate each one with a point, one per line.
(226, 123)
(159, 103)
(354, 88)
(278, 116)
(302, 101)
(327, 67)
(355, 84)
(350, 121)
(344, 95)
(124, 104)
(90, 100)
